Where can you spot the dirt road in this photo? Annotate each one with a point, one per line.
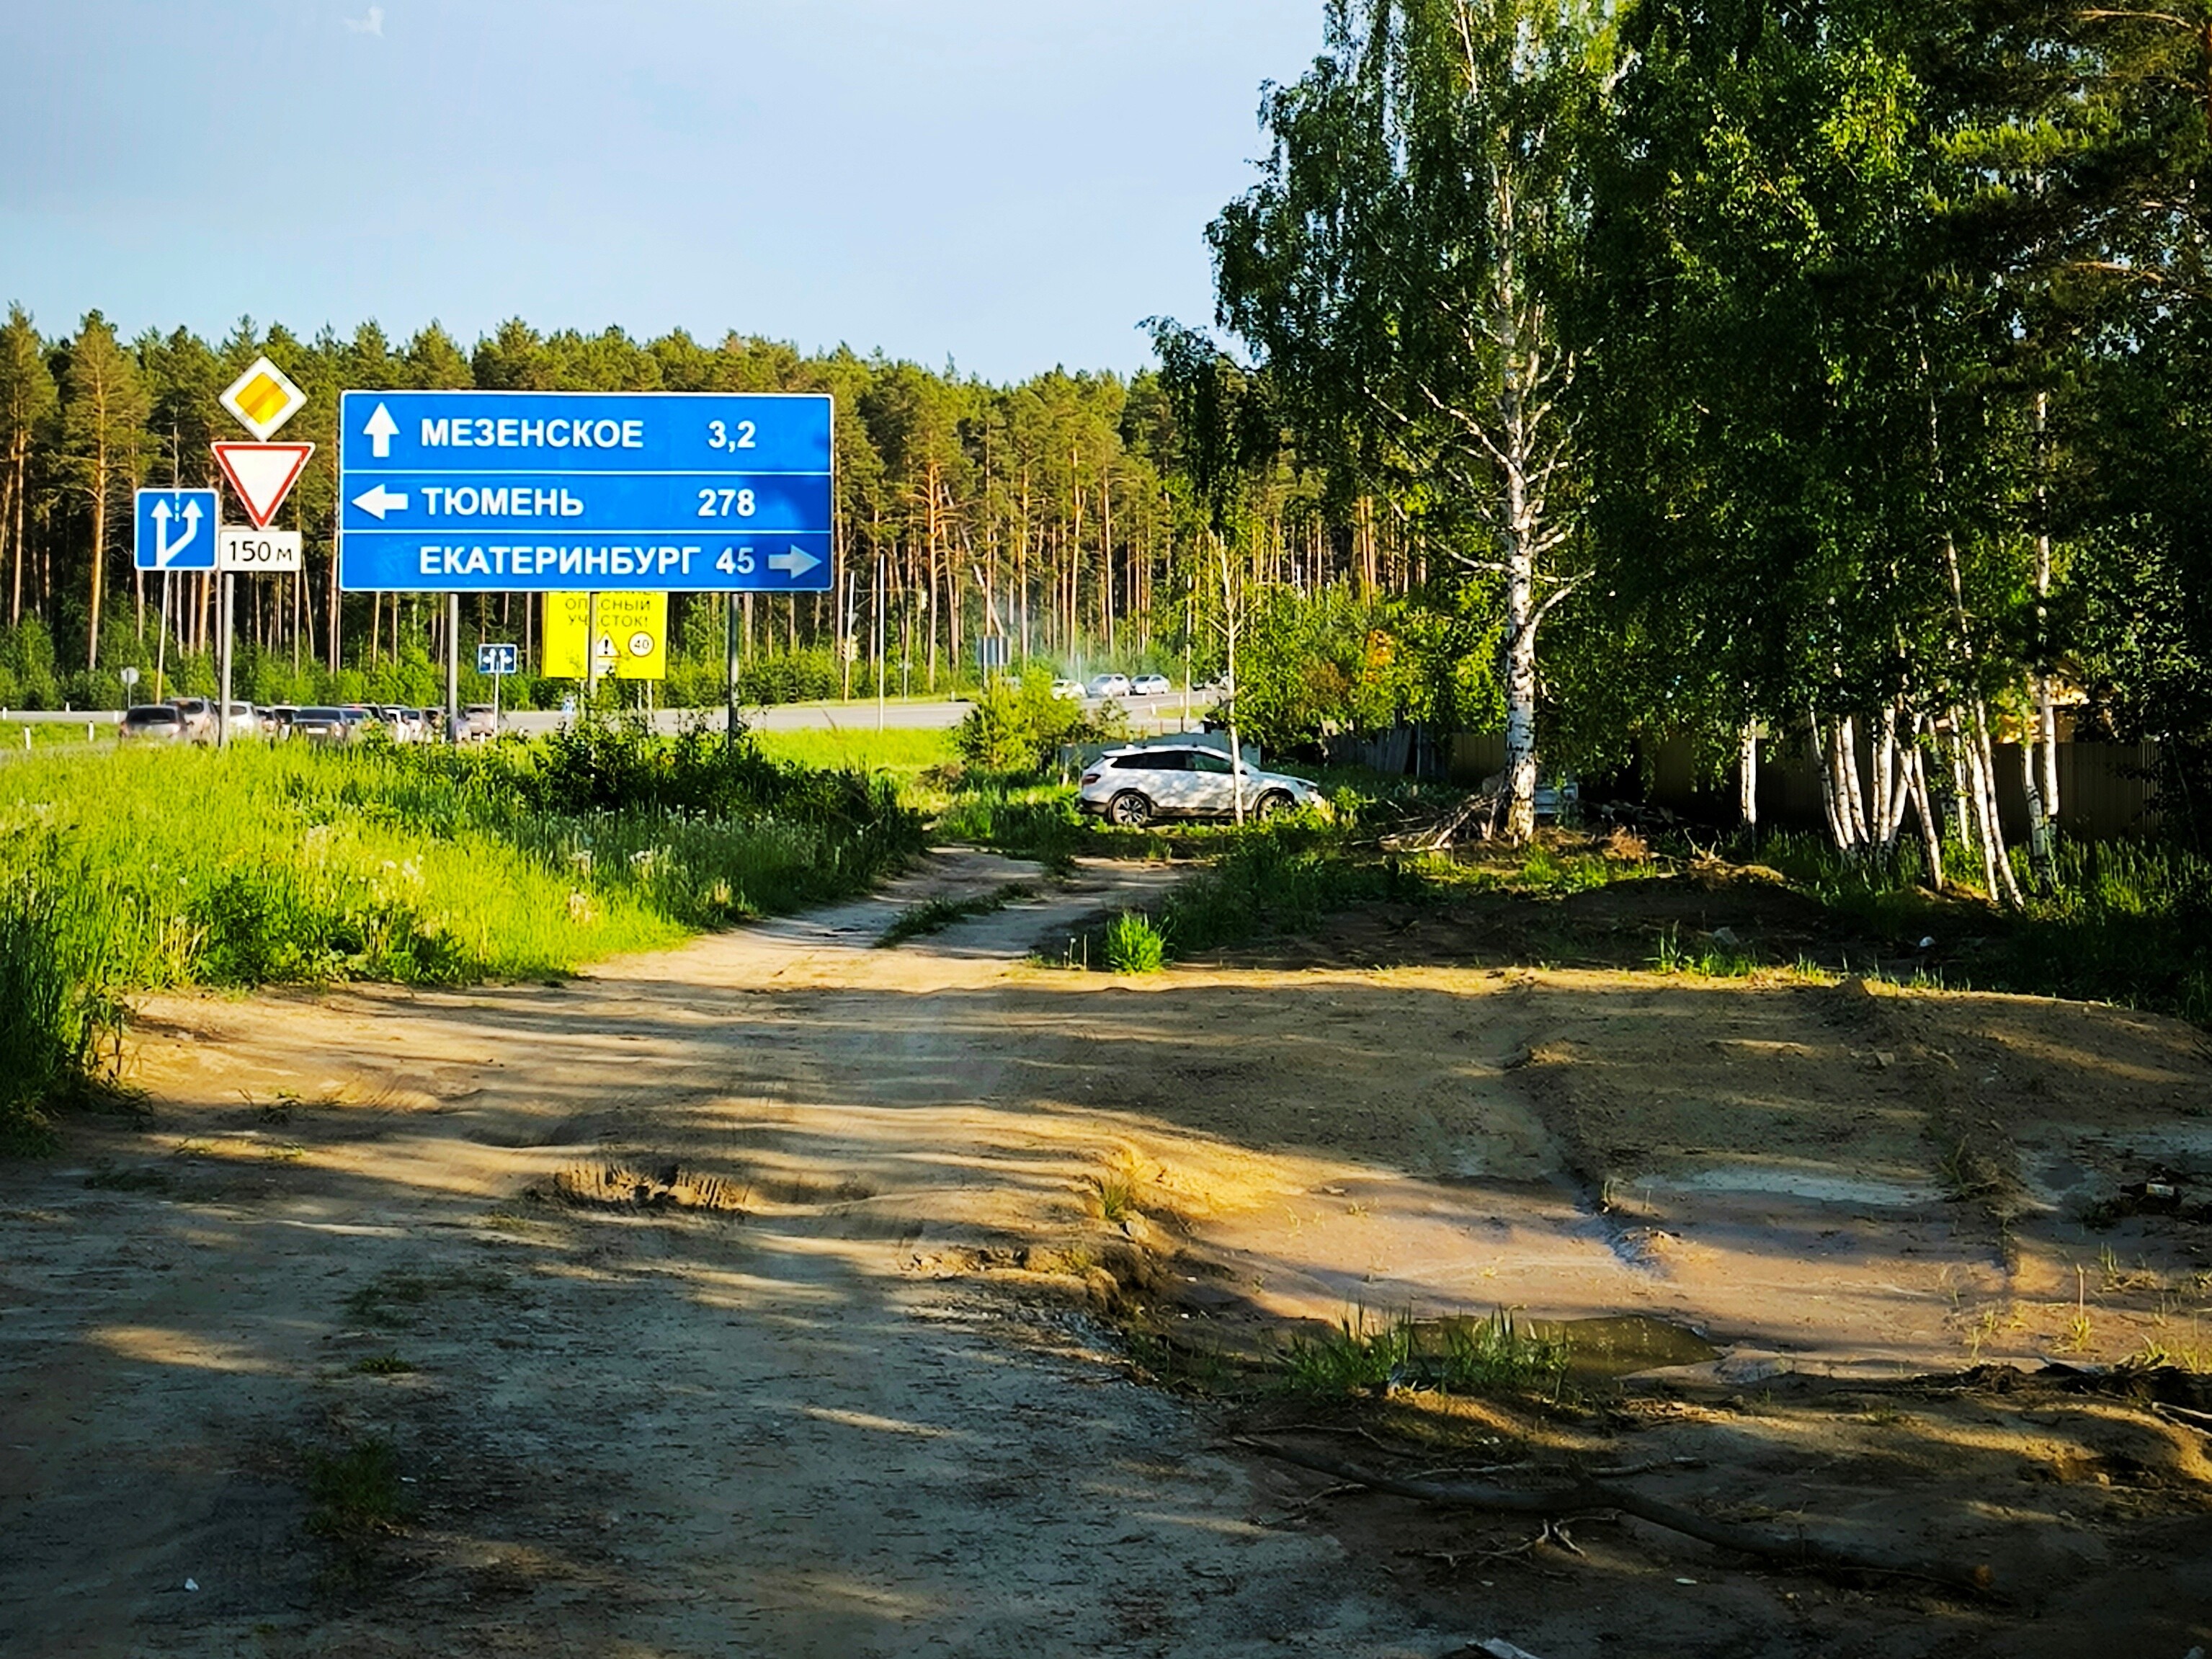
(737, 1300)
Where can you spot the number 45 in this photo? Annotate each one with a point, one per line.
(737, 561)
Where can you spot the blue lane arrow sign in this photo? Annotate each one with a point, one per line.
(175, 529)
(482, 491)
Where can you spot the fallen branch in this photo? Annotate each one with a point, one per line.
(1598, 1494)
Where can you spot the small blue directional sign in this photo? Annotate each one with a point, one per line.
(566, 491)
(496, 659)
(176, 529)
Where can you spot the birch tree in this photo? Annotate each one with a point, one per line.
(1398, 272)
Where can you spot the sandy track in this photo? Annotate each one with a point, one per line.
(628, 1433)
(818, 1424)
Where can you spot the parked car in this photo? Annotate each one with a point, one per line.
(198, 717)
(1131, 787)
(1067, 691)
(321, 725)
(1108, 685)
(278, 720)
(161, 722)
(479, 722)
(1151, 685)
(245, 721)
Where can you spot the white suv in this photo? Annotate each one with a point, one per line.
(1130, 787)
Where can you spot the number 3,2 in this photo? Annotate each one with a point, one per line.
(718, 435)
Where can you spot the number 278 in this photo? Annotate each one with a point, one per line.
(721, 503)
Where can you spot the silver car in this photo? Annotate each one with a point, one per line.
(1130, 787)
(157, 722)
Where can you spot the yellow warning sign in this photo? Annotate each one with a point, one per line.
(631, 632)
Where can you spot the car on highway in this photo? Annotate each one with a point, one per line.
(321, 724)
(277, 718)
(1067, 691)
(479, 722)
(1108, 685)
(1151, 685)
(246, 722)
(1132, 786)
(159, 722)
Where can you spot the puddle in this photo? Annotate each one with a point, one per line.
(1598, 1350)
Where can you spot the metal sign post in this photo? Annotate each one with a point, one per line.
(222, 709)
(453, 668)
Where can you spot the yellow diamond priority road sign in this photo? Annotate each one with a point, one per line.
(263, 398)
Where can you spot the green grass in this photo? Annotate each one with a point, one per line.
(1451, 1355)
(1135, 945)
(935, 915)
(903, 751)
(124, 872)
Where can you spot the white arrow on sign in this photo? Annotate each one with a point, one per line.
(164, 548)
(377, 501)
(380, 431)
(797, 562)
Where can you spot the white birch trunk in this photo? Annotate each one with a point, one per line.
(1746, 776)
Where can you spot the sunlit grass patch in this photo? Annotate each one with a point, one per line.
(1451, 1355)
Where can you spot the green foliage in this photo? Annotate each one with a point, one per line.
(1312, 665)
(1135, 945)
(1016, 727)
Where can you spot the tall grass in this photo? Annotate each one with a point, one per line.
(1453, 1356)
(145, 869)
(2126, 922)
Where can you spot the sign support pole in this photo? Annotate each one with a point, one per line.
(453, 668)
(730, 644)
(223, 710)
(590, 651)
(161, 645)
(879, 640)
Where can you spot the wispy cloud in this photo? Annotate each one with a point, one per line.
(372, 24)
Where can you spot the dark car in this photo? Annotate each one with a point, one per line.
(321, 725)
(161, 722)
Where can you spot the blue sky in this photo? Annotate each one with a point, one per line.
(1009, 184)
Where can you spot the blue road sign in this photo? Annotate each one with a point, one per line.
(495, 659)
(176, 529)
(564, 491)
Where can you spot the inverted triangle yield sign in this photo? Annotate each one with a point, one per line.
(262, 474)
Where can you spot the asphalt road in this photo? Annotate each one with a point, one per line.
(1159, 714)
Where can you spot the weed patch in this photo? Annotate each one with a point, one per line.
(1135, 945)
(355, 1492)
(1451, 1355)
(935, 915)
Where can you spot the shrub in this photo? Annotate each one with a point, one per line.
(1017, 727)
(1134, 945)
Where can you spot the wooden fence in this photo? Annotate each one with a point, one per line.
(2105, 789)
